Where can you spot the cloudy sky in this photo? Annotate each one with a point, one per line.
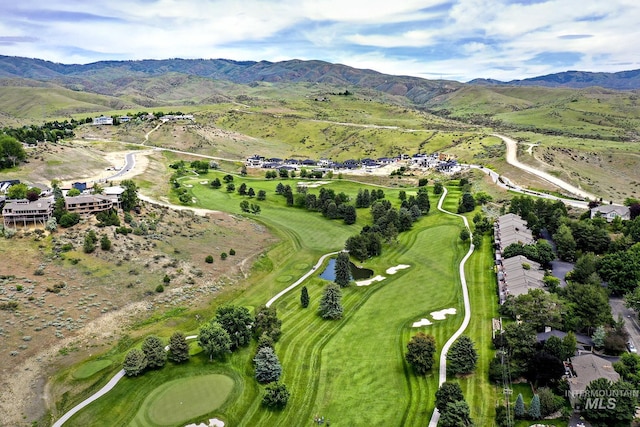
(459, 40)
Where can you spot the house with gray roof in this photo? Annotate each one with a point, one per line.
(510, 228)
(517, 275)
(23, 212)
(584, 369)
(610, 212)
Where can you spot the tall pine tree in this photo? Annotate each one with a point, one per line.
(304, 297)
(331, 304)
(342, 270)
(462, 357)
(518, 409)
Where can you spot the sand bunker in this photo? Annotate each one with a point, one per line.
(367, 282)
(312, 184)
(421, 322)
(213, 422)
(442, 314)
(394, 270)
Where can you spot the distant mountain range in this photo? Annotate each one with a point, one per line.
(145, 82)
(623, 80)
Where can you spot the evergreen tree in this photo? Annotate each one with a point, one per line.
(242, 189)
(153, 349)
(462, 356)
(422, 200)
(130, 195)
(216, 183)
(268, 368)
(518, 409)
(534, 408)
(599, 336)
(276, 396)
(565, 243)
(350, 214)
(330, 303)
(456, 414)
(448, 392)
(264, 341)
(420, 351)
(304, 297)
(135, 363)
(467, 203)
(178, 348)
(342, 270)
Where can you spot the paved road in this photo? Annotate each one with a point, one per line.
(630, 318)
(129, 164)
(435, 417)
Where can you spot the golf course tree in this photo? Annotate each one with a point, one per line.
(276, 396)
(153, 349)
(342, 270)
(237, 321)
(454, 410)
(267, 323)
(467, 203)
(438, 188)
(420, 351)
(331, 302)
(422, 200)
(214, 340)
(135, 362)
(216, 183)
(178, 348)
(304, 297)
(267, 366)
(462, 356)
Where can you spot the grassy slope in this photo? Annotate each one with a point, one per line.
(327, 375)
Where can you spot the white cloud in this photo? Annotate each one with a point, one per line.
(468, 39)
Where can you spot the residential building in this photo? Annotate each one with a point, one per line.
(102, 120)
(510, 228)
(23, 212)
(87, 204)
(517, 275)
(610, 212)
(584, 369)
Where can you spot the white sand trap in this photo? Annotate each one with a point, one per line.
(204, 182)
(421, 322)
(213, 422)
(367, 282)
(312, 184)
(394, 270)
(442, 314)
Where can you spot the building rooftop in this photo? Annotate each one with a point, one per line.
(589, 367)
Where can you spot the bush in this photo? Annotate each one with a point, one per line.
(159, 289)
(166, 279)
(232, 251)
(105, 243)
(69, 219)
(223, 255)
(209, 259)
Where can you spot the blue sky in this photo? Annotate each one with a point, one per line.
(458, 40)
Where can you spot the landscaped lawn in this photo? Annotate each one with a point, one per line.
(89, 368)
(350, 371)
(182, 399)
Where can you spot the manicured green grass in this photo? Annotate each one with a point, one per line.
(481, 395)
(124, 404)
(180, 400)
(89, 368)
(351, 371)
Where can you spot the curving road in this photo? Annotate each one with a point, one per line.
(435, 417)
(512, 149)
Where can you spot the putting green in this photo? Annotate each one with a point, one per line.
(185, 398)
(90, 368)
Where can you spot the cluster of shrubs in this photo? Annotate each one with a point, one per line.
(152, 354)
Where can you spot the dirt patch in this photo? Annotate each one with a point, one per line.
(66, 299)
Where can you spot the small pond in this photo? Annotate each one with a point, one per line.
(357, 273)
